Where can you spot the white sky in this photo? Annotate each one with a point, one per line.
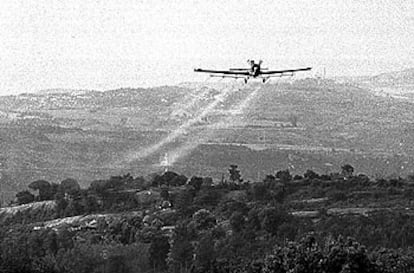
(106, 44)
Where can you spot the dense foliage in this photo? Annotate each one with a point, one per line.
(339, 222)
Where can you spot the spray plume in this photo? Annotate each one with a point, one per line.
(182, 129)
(182, 151)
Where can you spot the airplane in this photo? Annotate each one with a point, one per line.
(254, 71)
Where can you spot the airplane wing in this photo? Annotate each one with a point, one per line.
(239, 69)
(285, 71)
(228, 76)
(223, 72)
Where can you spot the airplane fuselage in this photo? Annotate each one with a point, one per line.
(255, 70)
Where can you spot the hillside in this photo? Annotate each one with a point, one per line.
(201, 128)
(404, 77)
(397, 84)
(171, 223)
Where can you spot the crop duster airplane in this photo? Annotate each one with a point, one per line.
(254, 71)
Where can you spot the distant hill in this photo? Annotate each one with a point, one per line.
(63, 91)
(404, 77)
(87, 135)
(395, 78)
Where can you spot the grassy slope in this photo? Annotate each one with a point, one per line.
(86, 136)
(338, 124)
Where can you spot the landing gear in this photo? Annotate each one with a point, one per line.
(245, 80)
(264, 80)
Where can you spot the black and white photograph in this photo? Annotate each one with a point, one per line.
(206, 136)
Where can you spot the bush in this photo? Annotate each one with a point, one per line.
(284, 176)
(337, 196)
(272, 218)
(70, 186)
(309, 174)
(341, 255)
(204, 219)
(24, 197)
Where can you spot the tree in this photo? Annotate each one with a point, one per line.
(24, 197)
(196, 182)
(347, 170)
(337, 195)
(89, 203)
(14, 252)
(269, 179)
(235, 174)
(65, 239)
(309, 174)
(204, 219)
(288, 230)
(207, 181)
(260, 191)
(70, 186)
(284, 176)
(180, 255)
(208, 197)
(183, 201)
(347, 255)
(179, 180)
(164, 194)
(169, 179)
(308, 256)
(73, 208)
(297, 177)
(61, 204)
(158, 252)
(237, 221)
(303, 257)
(253, 221)
(35, 242)
(50, 242)
(46, 191)
(117, 263)
(81, 258)
(272, 218)
(228, 206)
(204, 253)
(392, 260)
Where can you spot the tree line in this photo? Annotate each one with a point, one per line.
(171, 223)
